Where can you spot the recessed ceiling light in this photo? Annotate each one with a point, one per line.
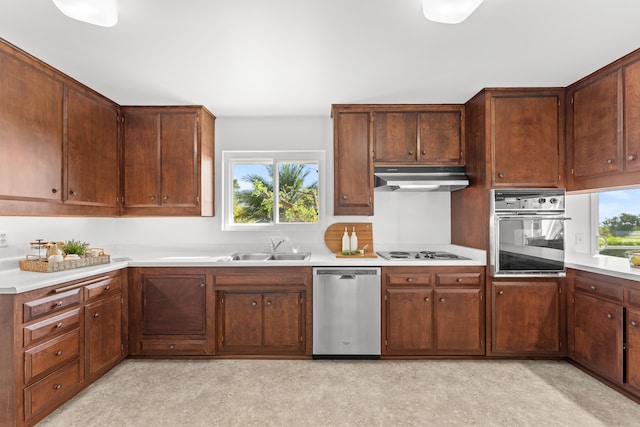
(449, 11)
(97, 12)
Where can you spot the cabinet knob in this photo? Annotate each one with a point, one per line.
(54, 190)
(58, 353)
(253, 303)
(593, 287)
(268, 303)
(152, 197)
(106, 288)
(344, 197)
(501, 293)
(409, 279)
(171, 346)
(426, 299)
(96, 314)
(632, 157)
(609, 316)
(57, 304)
(459, 279)
(202, 285)
(423, 152)
(441, 299)
(165, 197)
(57, 386)
(500, 175)
(411, 152)
(58, 325)
(609, 161)
(634, 323)
(73, 193)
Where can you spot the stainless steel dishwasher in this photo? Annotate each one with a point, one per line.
(346, 313)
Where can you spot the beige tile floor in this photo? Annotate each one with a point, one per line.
(346, 393)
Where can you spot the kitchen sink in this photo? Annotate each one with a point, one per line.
(264, 256)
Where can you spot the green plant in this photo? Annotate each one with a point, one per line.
(74, 247)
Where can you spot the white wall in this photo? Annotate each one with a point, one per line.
(578, 208)
(400, 218)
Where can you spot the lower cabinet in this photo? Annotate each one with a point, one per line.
(171, 311)
(432, 311)
(57, 340)
(263, 314)
(527, 317)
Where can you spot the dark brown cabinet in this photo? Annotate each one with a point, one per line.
(260, 314)
(168, 159)
(352, 161)
(418, 134)
(603, 131)
(527, 318)
(432, 311)
(170, 311)
(633, 348)
(91, 178)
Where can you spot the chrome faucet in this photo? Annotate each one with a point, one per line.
(274, 245)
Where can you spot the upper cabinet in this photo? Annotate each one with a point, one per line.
(520, 135)
(368, 134)
(603, 127)
(167, 164)
(418, 134)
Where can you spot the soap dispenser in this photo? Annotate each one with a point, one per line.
(354, 240)
(345, 241)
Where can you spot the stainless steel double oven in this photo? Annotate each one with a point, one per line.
(527, 232)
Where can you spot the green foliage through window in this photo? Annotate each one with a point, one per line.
(618, 229)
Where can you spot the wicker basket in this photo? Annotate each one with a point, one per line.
(45, 266)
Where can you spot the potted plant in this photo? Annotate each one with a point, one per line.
(74, 249)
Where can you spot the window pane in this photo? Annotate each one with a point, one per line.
(252, 192)
(618, 221)
(298, 192)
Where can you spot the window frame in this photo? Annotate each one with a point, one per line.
(275, 158)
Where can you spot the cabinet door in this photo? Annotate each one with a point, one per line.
(30, 133)
(353, 164)
(525, 140)
(598, 336)
(92, 137)
(179, 177)
(526, 317)
(458, 324)
(632, 116)
(283, 320)
(440, 137)
(409, 324)
(103, 334)
(395, 137)
(240, 321)
(173, 305)
(141, 159)
(595, 128)
(633, 348)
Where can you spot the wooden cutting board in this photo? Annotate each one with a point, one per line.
(364, 231)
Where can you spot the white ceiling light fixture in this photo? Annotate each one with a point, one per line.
(97, 12)
(448, 11)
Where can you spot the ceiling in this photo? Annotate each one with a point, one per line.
(297, 57)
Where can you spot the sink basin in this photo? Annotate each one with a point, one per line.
(263, 256)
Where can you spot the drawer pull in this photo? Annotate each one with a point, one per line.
(96, 314)
(58, 325)
(57, 386)
(59, 353)
(426, 299)
(634, 323)
(593, 287)
(441, 299)
(268, 303)
(253, 303)
(409, 279)
(609, 316)
(459, 279)
(171, 346)
(106, 288)
(501, 293)
(57, 304)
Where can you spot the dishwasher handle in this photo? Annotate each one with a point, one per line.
(351, 272)
(347, 277)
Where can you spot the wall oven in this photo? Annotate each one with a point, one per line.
(527, 232)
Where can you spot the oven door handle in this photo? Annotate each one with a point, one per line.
(545, 217)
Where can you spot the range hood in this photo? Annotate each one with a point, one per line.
(420, 178)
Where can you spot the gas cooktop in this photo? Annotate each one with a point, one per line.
(419, 256)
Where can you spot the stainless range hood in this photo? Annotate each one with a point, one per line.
(420, 178)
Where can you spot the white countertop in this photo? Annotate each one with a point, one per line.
(14, 281)
(608, 265)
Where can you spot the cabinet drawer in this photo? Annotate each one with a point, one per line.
(409, 279)
(605, 290)
(633, 298)
(458, 279)
(44, 306)
(50, 391)
(51, 327)
(177, 347)
(102, 288)
(51, 354)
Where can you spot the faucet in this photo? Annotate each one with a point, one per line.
(274, 245)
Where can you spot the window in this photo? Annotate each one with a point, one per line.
(271, 189)
(618, 221)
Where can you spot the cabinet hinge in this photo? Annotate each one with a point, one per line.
(385, 298)
(572, 99)
(222, 338)
(222, 300)
(571, 171)
(301, 338)
(386, 343)
(560, 290)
